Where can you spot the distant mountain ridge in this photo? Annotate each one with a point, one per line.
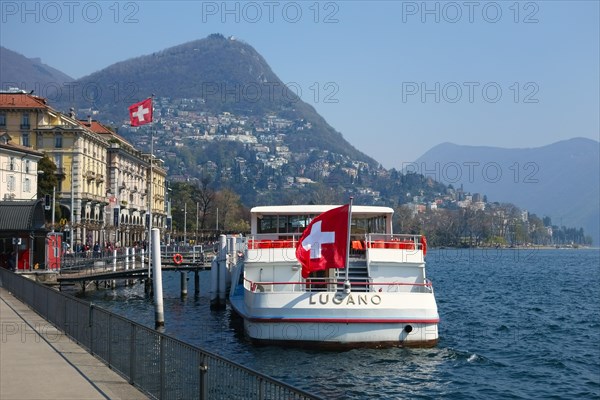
(560, 180)
(228, 74)
(16, 70)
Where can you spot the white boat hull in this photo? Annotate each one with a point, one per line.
(337, 320)
(341, 335)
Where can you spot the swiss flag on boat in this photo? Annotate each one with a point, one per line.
(324, 242)
(141, 113)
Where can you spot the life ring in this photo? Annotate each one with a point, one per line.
(424, 245)
(177, 258)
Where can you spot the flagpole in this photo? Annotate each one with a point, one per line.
(150, 193)
(347, 281)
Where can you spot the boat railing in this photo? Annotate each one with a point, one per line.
(401, 241)
(373, 240)
(332, 285)
(273, 241)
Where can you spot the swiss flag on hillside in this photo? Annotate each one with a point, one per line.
(141, 113)
(324, 242)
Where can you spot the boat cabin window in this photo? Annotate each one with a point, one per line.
(361, 226)
(283, 223)
(297, 223)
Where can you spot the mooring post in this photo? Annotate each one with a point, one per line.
(223, 270)
(133, 257)
(126, 258)
(159, 315)
(214, 282)
(183, 278)
(217, 275)
(233, 259)
(196, 282)
(114, 262)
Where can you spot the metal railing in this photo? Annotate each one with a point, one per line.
(106, 261)
(324, 284)
(159, 365)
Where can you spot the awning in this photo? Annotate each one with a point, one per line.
(19, 216)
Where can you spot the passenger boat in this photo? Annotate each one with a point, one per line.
(380, 297)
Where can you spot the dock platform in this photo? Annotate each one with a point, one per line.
(37, 361)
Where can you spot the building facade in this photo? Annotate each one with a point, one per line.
(18, 170)
(128, 191)
(104, 182)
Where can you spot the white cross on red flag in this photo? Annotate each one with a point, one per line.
(324, 242)
(141, 113)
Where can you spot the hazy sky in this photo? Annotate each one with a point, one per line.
(396, 78)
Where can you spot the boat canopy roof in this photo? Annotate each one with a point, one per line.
(285, 220)
(357, 211)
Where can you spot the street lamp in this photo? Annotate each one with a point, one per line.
(53, 206)
(40, 172)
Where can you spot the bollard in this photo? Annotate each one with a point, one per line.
(196, 282)
(126, 258)
(217, 275)
(183, 277)
(223, 270)
(114, 282)
(214, 282)
(233, 259)
(159, 315)
(133, 257)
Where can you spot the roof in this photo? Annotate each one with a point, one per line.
(22, 215)
(95, 126)
(99, 128)
(17, 147)
(318, 209)
(21, 100)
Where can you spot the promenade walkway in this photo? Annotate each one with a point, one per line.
(37, 361)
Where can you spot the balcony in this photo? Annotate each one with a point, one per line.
(100, 177)
(25, 126)
(90, 175)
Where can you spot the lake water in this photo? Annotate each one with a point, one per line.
(514, 324)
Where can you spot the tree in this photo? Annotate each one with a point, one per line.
(47, 182)
(323, 194)
(230, 215)
(206, 198)
(47, 179)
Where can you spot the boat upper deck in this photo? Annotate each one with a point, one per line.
(291, 220)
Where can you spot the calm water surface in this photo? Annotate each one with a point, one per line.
(514, 324)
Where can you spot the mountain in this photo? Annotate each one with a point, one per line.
(226, 74)
(560, 180)
(223, 118)
(28, 74)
